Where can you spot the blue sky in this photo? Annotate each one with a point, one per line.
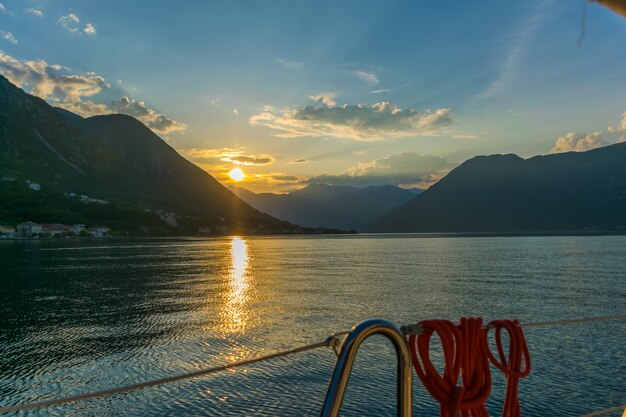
(357, 92)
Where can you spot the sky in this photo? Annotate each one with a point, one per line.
(340, 92)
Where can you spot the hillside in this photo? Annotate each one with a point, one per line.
(505, 193)
(329, 206)
(113, 158)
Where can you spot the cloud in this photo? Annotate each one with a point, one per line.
(154, 120)
(620, 130)
(581, 141)
(326, 99)
(71, 91)
(219, 162)
(381, 91)
(8, 36)
(353, 121)
(290, 64)
(270, 182)
(299, 161)
(34, 12)
(366, 76)
(236, 112)
(89, 29)
(2, 8)
(408, 169)
(229, 155)
(518, 46)
(48, 81)
(70, 22)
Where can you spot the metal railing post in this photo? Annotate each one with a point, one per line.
(345, 361)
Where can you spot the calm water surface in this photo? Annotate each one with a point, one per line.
(78, 315)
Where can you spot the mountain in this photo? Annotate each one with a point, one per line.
(340, 207)
(504, 193)
(133, 180)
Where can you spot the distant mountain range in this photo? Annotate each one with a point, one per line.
(504, 193)
(133, 181)
(57, 167)
(341, 207)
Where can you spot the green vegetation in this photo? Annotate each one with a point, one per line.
(18, 204)
(114, 158)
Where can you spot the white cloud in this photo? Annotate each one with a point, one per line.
(34, 12)
(69, 22)
(156, 121)
(290, 64)
(381, 91)
(2, 8)
(71, 91)
(48, 81)
(620, 130)
(406, 168)
(89, 29)
(8, 36)
(236, 112)
(353, 121)
(366, 76)
(579, 142)
(326, 99)
(518, 45)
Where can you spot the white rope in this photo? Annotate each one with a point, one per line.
(572, 321)
(606, 411)
(330, 341)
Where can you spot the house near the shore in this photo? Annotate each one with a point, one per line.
(7, 232)
(99, 231)
(75, 228)
(53, 229)
(28, 229)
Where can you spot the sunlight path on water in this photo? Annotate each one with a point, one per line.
(77, 316)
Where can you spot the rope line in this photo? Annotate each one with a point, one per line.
(606, 411)
(572, 321)
(417, 329)
(333, 341)
(330, 341)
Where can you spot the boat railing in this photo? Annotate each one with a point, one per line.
(347, 355)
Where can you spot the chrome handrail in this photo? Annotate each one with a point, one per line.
(345, 361)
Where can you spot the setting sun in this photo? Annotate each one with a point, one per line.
(237, 174)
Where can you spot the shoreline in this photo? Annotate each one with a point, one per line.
(422, 235)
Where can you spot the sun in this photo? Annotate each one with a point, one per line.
(237, 174)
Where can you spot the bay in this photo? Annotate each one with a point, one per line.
(84, 315)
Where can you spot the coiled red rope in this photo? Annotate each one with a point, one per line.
(511, 366)
(465, 356)
(466, 360)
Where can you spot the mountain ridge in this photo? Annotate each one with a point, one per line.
(113, 158)
(326, 205)
(506, 193)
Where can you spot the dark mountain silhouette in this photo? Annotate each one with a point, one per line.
(505, 193)
(329, 206)
(114, 158)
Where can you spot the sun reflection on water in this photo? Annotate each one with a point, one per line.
(236, 313)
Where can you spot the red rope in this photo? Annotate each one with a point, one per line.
(465, 355)
(511, 366)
